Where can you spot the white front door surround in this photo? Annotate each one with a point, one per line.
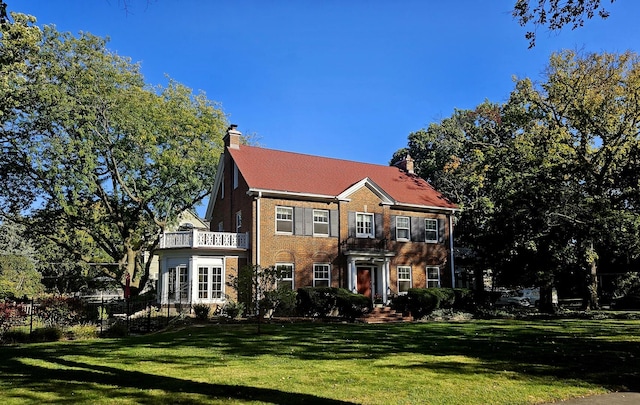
(379, 275)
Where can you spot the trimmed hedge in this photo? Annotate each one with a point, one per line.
(327, 301)
(422, 301)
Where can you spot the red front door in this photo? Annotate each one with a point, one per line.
(364, 281)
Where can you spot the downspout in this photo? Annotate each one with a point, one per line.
(453, 269)
(258, 228)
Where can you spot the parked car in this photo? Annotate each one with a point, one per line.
(533, 294)
(512, 298)
(524, 297)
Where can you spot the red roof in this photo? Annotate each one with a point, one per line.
(273, 170)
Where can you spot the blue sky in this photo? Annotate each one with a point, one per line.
(344, 79)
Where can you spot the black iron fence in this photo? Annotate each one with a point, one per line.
(109, 317)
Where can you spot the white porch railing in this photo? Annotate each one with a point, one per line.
(204, 239)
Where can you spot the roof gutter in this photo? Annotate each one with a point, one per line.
(289, 194)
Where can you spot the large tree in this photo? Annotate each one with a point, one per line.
(548, 181)
(100, 161)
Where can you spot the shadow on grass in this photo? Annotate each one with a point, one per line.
(597, 352)
(71, 382)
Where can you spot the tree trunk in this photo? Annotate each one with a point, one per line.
(546, 304)
(590, 299)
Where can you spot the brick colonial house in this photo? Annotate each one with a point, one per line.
(372, 229)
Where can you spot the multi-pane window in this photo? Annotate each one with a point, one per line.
(320, 222)
(402, 228)
(183, 278)
(404, 279)
(285, 276)
(364, 225)
(210, 282)
(284, 219)
(216, 282)
(321, 275)
(203, 282)
(431, 230)
(238, 221)
(433, 277)
(178, 284)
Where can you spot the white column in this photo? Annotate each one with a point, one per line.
(192, 280)
(163, 276)
(194, 237)
(352, 274)
(385, 282)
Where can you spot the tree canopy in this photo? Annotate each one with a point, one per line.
(99, 162)
(556, 14)
(548, 180)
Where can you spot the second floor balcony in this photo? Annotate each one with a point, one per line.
(196, 238)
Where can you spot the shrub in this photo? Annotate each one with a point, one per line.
(14, 336)
(316, 301)
(423, 301)
(281, 301)
(118, 329)
(233, 310)
(11, 314)
(322, 301)
(400, 303)
(351, 306)
(47, 334)
(202, 311)
(83, 331)
(64, 311)
(464, 299)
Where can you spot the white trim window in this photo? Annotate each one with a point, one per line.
(321, 275)
(433, 277)
(285, 276)
(431, 230)
(284, 220)
(320, 223)
(404, 279)
(402, 229)
(203, 283)
(364, 225)
(238, 221)
(178, 280)
(210, 282)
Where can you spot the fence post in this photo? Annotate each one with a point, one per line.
(127, 300)
(101, 314)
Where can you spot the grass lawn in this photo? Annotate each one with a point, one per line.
(476, 362)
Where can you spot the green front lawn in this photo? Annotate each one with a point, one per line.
(477, 362)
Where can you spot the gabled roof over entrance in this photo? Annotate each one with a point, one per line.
(276, 171)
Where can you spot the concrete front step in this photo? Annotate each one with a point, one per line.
(384, 315)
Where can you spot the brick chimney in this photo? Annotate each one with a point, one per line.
(406, 164)
(232, 138)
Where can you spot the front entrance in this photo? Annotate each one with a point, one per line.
(364, 281)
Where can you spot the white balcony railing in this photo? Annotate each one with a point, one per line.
(202, 239)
